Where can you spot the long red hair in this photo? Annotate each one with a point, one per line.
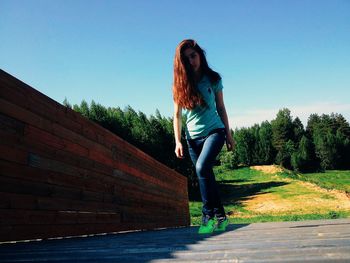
(184, 86)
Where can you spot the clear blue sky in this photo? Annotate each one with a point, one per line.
(271, 54)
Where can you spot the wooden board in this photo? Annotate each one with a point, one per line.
(305, 241)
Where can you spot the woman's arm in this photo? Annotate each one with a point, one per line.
(220, 107)
(177, 122)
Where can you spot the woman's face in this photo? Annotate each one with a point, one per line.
(193, 58)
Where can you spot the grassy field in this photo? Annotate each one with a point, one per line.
(264, 195)
(334, 179)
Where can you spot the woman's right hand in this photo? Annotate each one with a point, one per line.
(179, 150)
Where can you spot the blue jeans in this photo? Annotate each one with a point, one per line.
(203, 152)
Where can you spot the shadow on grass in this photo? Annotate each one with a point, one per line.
(233, 193)
(233, 181)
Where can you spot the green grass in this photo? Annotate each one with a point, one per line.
(241, 186)
(334, 179)
(292, 217)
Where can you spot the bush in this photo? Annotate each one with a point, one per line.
(229, 160)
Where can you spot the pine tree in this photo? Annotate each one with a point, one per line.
(267, 152)
(298, 130)
(304, 159)
(282, 129)
(244, 146)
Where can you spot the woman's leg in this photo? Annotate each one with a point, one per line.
(204, 168)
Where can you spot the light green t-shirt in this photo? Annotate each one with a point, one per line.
(203, 119)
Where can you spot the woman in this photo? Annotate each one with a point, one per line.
(197, 91)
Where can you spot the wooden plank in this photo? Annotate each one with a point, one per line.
(56, 173)
(37, 217)
(127, 180)
(25, 232)
(23, 115)
(12, 185)
(43, 137)
(60, 167)
(140, 217)
(20, 93)
(87, 181)
(67, 113)
(11, 125)
(129, 153)
(21, 90)
(63, 204)
(12, 154)
(60, 114)
(303, 241)
(130, 214)
(58, 230)
(25, 145)
(43, 131)
(13, 96)
(97, 155)
(126, 197)
(140, 174)
(19, 202)
(153, 170)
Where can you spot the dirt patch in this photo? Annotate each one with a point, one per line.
(269, 169)
(310, 199)
(336, 193)
(268, 203)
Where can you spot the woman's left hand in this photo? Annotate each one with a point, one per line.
(230, 142)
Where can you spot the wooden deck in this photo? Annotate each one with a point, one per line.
(306, 241)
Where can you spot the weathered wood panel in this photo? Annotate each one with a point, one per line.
(61, 174)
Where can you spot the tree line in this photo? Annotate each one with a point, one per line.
(323, 144)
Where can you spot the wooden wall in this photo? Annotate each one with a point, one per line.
(63, 175)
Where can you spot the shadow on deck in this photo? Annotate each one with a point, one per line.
(311, 241)
(138, 246)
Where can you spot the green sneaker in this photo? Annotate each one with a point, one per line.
(221, 224)
(207, 226)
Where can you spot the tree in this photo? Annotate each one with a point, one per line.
(254, 133)
(284, 155)
(117, 123)
(326, 148)
(331, 136)
(98, 113)
(229, 159)
(267, 152)
(66, 103)
(343, 140)
(304, 159)
(298, 130)
(282, 129)
(312, 122)
(283, 137)
(83, 109)
(324, 145)
(244, 145)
